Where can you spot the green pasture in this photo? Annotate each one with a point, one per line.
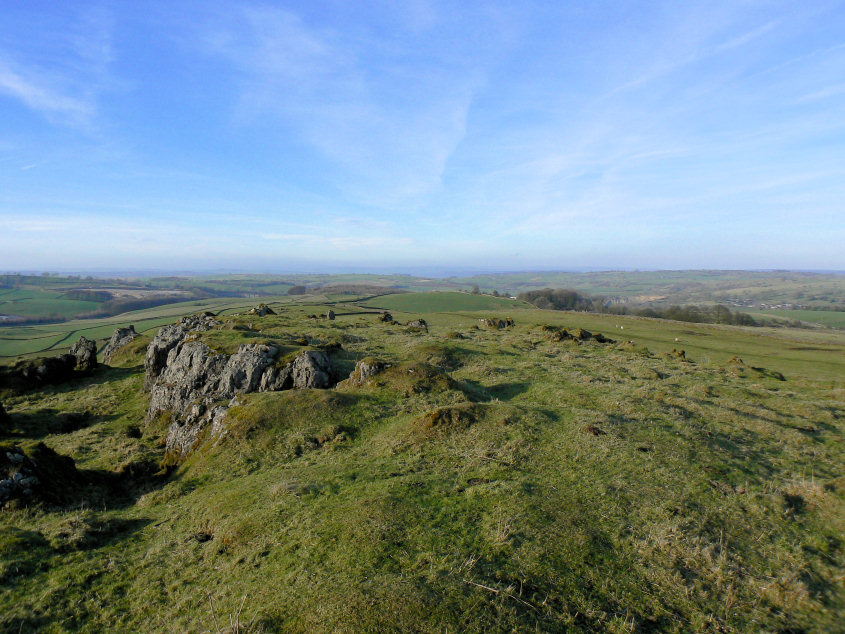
(34, 302)
(829, 318)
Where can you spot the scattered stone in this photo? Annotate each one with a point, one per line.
(262, 310)
(582, 334)
(120, 338)
(417, 324)
(365, 369)
(36, 474)
(498, 324)
(85, 352)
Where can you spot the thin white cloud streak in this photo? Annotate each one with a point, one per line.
(38, 94)
(389, 125)
(65, 89)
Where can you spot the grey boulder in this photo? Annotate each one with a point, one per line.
(119, 339)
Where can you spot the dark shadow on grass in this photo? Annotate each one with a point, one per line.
(36, 424)
(509, 390)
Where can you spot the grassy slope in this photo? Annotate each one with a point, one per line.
(712, 502)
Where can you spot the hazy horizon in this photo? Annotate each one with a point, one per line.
(422, 136)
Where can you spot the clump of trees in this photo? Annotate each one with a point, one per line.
(567, 299)
(701, 314)
(558, 299)
(296, 290)
(89, 296)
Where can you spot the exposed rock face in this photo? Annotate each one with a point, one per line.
(310, 368)
(262, 310)
(85, 352)
(167, 339)
(120, 338)
(184, 435)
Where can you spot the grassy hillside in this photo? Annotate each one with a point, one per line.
(36, 302)
(491, 480)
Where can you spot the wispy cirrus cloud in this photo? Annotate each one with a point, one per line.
(64, 88)
(385, 116)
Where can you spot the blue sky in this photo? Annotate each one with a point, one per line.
(328, 136)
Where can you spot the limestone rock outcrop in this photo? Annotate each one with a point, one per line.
(366, 369)
(167, 339)
(191, 380)
(85, 352)
(120, 338)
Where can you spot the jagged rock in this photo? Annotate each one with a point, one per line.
(185, 434)
(120, 338)
(385, 317)
(168, 338)
(602, 339)
(85, 352)
(582, 334)
(261, 310)
(365, 369)
(309, 369)
(330, 315)
(192, 371)
(418, 324)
